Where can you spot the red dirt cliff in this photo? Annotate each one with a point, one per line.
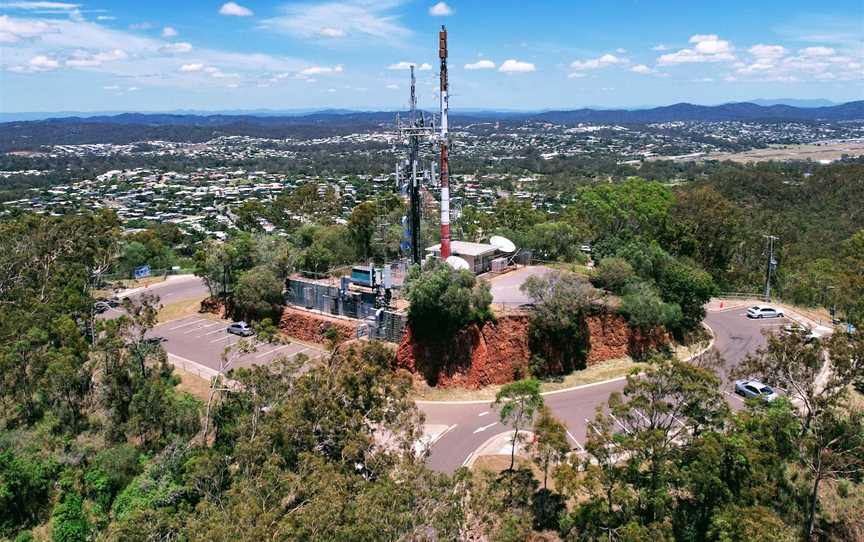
(495, 352)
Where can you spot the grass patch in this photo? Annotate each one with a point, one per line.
(500, 463)
(181, 309)
(599, 372)
(192, 384)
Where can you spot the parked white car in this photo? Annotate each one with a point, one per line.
(764, 311)
(753, 388)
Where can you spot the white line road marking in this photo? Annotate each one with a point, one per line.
(482, 414)
(485, 427)
(184, 325)
(221, 339)
(166, 295)
(272, 351)
(220, 330)
(204, 326)
(294, 355)
(569, 434)
(441, 435)
(621, 425)
(591, 425)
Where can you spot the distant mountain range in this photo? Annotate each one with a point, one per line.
(473, 112)
(130, 127)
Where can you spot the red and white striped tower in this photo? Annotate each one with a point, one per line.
(445, 170)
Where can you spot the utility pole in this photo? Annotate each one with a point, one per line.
(771, 266)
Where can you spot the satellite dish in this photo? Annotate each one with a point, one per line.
(502, 243)
(457, 263)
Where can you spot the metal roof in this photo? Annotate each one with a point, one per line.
(465, 248)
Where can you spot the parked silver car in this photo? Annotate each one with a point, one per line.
(764, 311)
(753, 389)
(240, 328)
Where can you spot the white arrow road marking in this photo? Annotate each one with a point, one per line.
(485, 427)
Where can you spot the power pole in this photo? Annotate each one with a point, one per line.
(771, 266)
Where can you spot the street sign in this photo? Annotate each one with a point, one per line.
(142, 272)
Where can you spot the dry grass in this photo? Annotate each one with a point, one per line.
(500, 463)
(600, 372)
(192, 384)
(181, 309)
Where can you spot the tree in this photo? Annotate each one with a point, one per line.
(258, 294)
(633, 207)
(613, 274)
(361, 224)
(443, 300)
(851, 287)
(645, 309)
(555, 241)
(518, 402)
(557, 321)
(550, 444)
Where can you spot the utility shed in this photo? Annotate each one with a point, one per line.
(478, 255)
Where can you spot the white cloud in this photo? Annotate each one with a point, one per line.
(516, 66)
(599, 62)
(403, 65)
(321, 70)
(620, 50)
(576, 75)
(132, 89)
(111, 87)
(817, 52)
(481, 65)
(105, 17)
(234, 9)
(188, 68)
(13, 30)
(84, 59)
(641, 68)
(141, 26)
(440, 9)
(340, 19)
(169, 32)
(706, 48)
(393, 86)
(179, 47)
(660, 47)
(64, 6)
(425, 67)
(42, 63)
(767, 51)
(331, 33)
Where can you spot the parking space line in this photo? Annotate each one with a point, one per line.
(295, 354)
(272, 351)
(581, 448)
(221, 339)
(186, 324)
(205, 326)
(621, 425)
(220, 330)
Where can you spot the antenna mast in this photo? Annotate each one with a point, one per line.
(445, 169)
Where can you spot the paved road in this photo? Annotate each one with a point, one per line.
(505, 288)
(195, 341)
(174, 288)
(470, 425)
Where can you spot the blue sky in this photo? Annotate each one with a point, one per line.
(196, 54)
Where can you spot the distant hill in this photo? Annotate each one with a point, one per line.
(130, 127)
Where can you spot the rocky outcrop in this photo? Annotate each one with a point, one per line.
(497, 352)
(311, 326)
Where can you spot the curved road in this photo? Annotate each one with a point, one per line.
(463, 427)
(470, 424)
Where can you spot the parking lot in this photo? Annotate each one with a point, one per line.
(197, 345)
